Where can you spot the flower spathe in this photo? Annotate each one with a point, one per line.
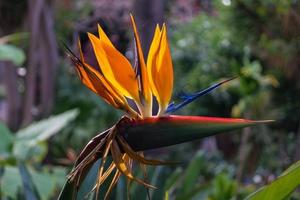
(116, 80)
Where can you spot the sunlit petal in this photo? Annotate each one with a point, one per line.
(92, 81)
(160, 68)
(115, 67)
(152, 57)
(103, 37)
(95, 81)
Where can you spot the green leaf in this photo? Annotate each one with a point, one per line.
(223, 187)
(6, 139)
(89, 175)
(36, 153)
(155, 180)
(192, 172)
(10, 182)
(155, 132)
(89, 181)
(15, 37)
(68, 191)
(59, 174)
(173, 179)
(30, 191)
(12, 53)
(46, 182)
(42, 130)
(29, 140)
(280, 188)
(120, 190)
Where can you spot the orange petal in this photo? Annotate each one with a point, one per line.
(152, 58)
(93, 82)
(142, 70)
(103, 37)
(115, 67)
(160, 68)
(81, 72)
(98, 84)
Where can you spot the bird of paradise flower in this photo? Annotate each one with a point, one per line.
(119, 84)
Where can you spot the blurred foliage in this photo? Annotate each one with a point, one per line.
(204, 51)
(9, 50)
(11, 53)
(24, 170)
(282, 187)
(212, 47)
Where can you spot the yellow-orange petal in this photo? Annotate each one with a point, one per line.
(92, 79)
(141, 65)
(165, 69)
(115, 68)
(107, 91)
(152, 57)
(103, 37)
(160, 68)
(95, 81)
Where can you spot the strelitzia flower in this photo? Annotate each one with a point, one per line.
(134, 89)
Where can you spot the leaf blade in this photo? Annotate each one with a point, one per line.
(282, 187)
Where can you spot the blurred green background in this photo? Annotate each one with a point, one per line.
(258, 41)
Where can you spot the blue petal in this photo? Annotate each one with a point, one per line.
(183, 95)
(190, 98)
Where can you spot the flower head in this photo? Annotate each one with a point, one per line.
(116, 80)
(119, 83)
